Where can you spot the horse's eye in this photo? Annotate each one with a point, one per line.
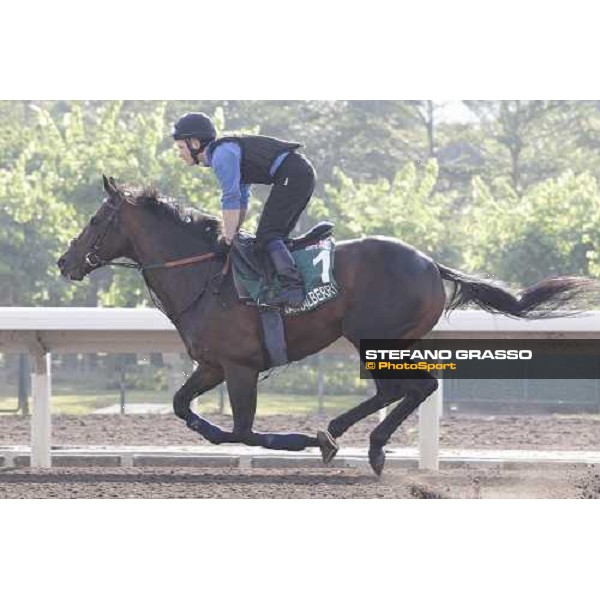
(93, 221)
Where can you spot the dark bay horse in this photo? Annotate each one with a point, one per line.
(388, 290)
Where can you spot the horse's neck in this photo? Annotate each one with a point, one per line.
(156, 242)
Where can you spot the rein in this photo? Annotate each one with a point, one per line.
(166, 265)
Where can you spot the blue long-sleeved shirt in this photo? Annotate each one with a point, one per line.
(225, 162)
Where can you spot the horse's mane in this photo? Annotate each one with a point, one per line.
(198, 223)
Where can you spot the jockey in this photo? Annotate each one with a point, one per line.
(241, 160)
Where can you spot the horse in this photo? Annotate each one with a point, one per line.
(388, 289)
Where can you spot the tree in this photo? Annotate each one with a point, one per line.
(407, 208)
(526, 142)
(52, 186)
(551, 230)
(491, 199)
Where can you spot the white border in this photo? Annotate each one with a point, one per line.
(302, 50)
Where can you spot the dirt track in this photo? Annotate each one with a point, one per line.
(519, 432)
(551, 433)
(563, 482)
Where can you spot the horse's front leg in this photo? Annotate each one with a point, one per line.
(242, 387)
(203, 379)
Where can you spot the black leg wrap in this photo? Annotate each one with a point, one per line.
(293, 442)
(206, 429)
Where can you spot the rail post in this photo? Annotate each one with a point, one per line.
(41, 422)
(430, 412)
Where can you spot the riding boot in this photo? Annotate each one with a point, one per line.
(292, 288)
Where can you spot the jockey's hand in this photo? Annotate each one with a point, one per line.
(223, 246)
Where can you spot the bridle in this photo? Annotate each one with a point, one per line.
(93, 259)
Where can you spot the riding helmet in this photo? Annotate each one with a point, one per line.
(194, 125)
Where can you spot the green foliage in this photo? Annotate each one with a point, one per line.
(551, 230)
(53, 185)
(512, 193)
(406, 207)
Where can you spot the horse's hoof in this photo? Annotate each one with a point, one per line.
(328, 446)
(376, 459)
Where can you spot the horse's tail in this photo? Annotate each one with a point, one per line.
(535, 302)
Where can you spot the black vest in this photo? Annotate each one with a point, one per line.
(258, 154)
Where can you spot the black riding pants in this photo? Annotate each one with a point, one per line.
(293, 186)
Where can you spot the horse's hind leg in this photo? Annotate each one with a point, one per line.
(388, 391)
(407, 307)
(417, 391)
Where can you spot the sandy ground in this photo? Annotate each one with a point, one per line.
(545, 432)
(555, 432)
(150, 482)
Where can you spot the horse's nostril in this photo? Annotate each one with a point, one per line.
(61, 262)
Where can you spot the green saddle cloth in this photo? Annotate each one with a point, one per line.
(315, 263)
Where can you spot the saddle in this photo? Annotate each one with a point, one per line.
(247, 256)
(253, 273)
(256, 281)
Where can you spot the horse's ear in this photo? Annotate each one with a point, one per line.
(109, 185)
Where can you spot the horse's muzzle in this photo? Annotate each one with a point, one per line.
(61, 263)
(65, 271)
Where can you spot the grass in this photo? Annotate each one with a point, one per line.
(67, 401)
